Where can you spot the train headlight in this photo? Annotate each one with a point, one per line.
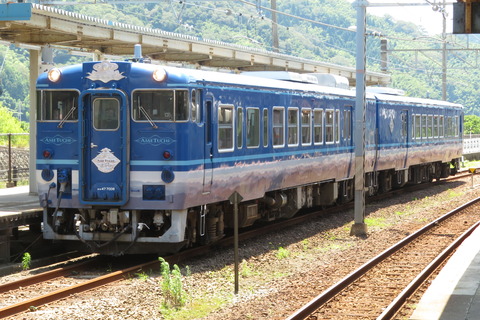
(159, 74)
(54, 74)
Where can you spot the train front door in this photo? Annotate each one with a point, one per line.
(104, 155)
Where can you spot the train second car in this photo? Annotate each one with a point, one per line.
(139, 158)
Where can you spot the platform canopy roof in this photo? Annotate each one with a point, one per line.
(30, 24)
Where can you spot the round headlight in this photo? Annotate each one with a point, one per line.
(159, 74)
(54, 74)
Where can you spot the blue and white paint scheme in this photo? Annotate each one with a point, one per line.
(134, 157)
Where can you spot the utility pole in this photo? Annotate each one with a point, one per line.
(444, 55)
(275, 42)
(383, 55)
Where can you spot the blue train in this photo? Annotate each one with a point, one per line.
(134, 157)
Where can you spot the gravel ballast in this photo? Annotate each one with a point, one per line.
(279, 272)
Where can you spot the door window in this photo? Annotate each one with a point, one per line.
(106, 114)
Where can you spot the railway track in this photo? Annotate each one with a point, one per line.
(53, 285)
(80, 286)
(380, 287)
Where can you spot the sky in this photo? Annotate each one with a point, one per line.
(423, 15)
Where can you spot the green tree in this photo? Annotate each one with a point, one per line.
(10, 124)
(471, 124)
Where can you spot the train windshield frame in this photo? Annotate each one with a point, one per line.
(57, 105)
(160, 105)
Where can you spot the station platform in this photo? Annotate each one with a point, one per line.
(17, 206)
(455, 292)
(17, 199)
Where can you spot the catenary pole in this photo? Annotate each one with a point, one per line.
(359, 227)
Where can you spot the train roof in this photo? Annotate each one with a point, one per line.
(304, 82)
(288, 81)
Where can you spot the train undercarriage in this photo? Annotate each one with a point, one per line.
(115, 232)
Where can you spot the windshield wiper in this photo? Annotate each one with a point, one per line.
(60, 125)
(149, 119)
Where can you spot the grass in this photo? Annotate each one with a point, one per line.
(282, 253)
(26, 261)
(305, 244)
(3, 185)
(246, 271)
(470, 164)
(142, 275)
(198, 308)
(379, 223)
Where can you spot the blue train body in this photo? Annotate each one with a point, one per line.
(135, 157)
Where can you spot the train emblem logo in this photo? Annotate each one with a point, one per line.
(106, 161)
(155, 140)
(58, 140)
(105, 71)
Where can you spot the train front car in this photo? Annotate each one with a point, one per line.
(108, 139)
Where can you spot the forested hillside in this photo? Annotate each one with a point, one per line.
(305, 30)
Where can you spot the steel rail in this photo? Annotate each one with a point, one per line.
(94, 283)
(44, 276)
(63, 293)
(400, 300)
(331, 292)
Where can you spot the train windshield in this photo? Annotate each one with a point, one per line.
(160, 105)
(57, 105)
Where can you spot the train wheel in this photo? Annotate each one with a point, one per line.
(385, 181)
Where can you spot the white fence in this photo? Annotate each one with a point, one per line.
(471, 146)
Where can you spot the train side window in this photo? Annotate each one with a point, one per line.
(306, 126)
(239, 128)
(456, 124)
(253, 127)
(225, 128)
(265, 127)
(413, 127)
(329, 126)
(195, 105)
(278, 127)
(435, 126)
(292, 126)
(337, 126)
(418, 131)
(106, 114)
(347, 125)
(56, 105)
(318, 126)
(430, 126)
(448, 131)
(441, 127)
(424, 126)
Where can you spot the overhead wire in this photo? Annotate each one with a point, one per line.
(259, 9)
